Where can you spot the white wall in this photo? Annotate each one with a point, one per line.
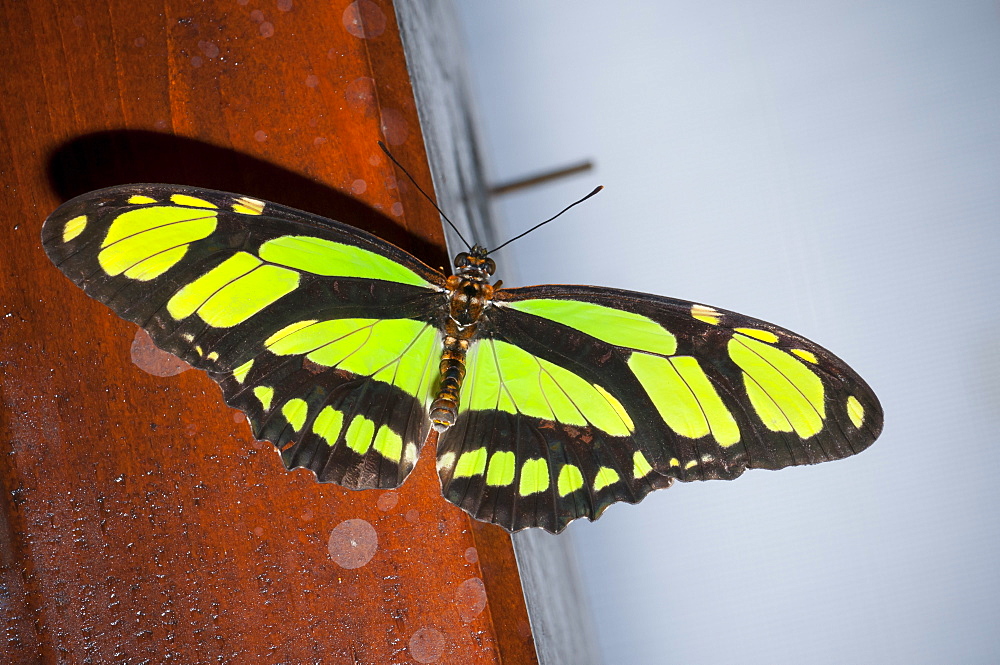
(833, 167)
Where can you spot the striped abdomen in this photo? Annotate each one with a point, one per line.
(468, 296)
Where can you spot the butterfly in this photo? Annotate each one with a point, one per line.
(546, 403)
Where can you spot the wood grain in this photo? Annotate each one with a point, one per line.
(140, 519)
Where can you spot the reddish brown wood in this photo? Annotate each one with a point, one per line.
(140, 520)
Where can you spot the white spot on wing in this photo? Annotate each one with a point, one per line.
(446, 461)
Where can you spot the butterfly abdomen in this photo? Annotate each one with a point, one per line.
(469, 291)
(444, 409)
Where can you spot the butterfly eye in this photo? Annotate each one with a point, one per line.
(462, 259)
(491, 266)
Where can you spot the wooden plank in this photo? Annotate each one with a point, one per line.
(140, 518)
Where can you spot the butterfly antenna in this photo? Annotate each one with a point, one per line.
(426, 196)
(540, 224)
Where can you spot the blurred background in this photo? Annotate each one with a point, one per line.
(832, 167)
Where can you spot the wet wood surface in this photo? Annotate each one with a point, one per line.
(141, 522)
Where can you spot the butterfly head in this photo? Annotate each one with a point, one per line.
(475, 264)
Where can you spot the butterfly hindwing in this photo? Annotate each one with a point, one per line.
(324, 335)
(705, 393)
(520, 471)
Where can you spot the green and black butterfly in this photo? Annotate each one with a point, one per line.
(550, 402)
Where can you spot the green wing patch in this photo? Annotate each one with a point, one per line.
(505, 377)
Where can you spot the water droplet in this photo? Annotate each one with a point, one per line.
(426, 645)
(364, 19)
(352, 543)
(387, 501)
(471, 599)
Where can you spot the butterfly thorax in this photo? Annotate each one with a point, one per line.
(469, 291)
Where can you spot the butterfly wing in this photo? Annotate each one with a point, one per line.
(578, 397)
(324, 335)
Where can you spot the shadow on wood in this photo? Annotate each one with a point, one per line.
(104, 159)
